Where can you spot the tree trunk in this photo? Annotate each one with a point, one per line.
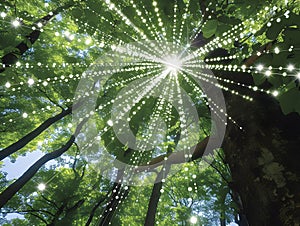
(36, 132)
(222, 220)
(222, 210)
(30, 136)
(264, 157)
(12, 189)
(110, 209)
(155, 196)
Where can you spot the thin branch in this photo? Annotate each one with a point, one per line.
(49, 201)
(96, 206)
(39, 217)
(36, 132)
(50, 99)
(27, 211)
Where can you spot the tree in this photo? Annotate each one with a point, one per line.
(61, 57)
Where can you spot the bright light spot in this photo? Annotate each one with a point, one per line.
(7, 85)
(30, 81)
(66, 33)
(56, 33)
(193, 220)
(18, 64)
(173, 64)
(233, 224)
(16, 23)
(291, 67)
(70, 125)
(71, 37)
(110, 122)
(190, 189)
(45, 83)
(298, 76)
(260, 67)
(268, 73)
(275, 93)
(40, 24)
(101, 45)
(3, 14)
(25, 115)
(88, 41)
(42, 187)
(277, 50)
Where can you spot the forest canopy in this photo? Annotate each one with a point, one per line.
(179, 112)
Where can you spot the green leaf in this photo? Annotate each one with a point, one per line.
(290, 101)
(77, 13)
(210, 28)
(228, 20)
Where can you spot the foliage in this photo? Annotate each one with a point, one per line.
(79, 34)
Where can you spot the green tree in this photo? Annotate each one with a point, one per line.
(252, 48)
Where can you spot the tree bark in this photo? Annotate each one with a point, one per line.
(264, 157)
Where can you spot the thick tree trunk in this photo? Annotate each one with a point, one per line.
(264, 157)
(155, 196)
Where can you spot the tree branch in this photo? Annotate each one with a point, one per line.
(11, 58)
(32, 135)
(11, 190)
(175, 158)
(96, 206)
